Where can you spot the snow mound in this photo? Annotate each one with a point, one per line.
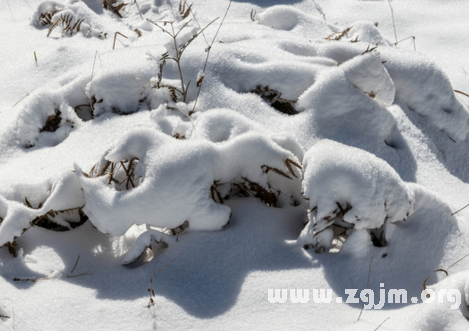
(350, 190)
(422, 87)
(368, 74)
(291, 19)
(169, 182)
(54, 205)
(343, 105)
(176, 180)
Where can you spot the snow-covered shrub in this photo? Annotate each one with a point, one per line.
(46, 120)
(350, 190)
(72, 19)
(54, 205)
(182, 180)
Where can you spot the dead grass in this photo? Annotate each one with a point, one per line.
(275, 99)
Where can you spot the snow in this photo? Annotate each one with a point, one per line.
(307, 127)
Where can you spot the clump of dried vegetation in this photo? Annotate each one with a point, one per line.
(180, 93)
(55, 220)
(120, 174)
(244, 187)
(274, 98)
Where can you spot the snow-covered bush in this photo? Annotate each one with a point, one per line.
(179, 180)
(350, 190)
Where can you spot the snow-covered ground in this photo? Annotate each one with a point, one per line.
(145, 187)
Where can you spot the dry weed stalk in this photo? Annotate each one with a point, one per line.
(393, 21)
(215, 194)
(32, 280)
(208, 49)
(467, 95)
(179, 51)
(253, 15)
(367, 281)
(66, 22)
(46, 18)
(121, 174)
(115, 36)
(382, 323)
(151, 292)
(338, 35)
(370, 49)
(180, 93)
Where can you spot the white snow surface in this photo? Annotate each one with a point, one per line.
(210, 181)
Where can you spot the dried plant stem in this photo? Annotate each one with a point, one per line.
(208, 55)
(115, 36)
(413, 41)
(179, 61)
(367, 281)
(76, 263)
(27, 94)
(139, 11)
(382, 323)
(32, 280)
(460, 209)
(150, 288)
(457, 261)
(79, 275)
(393, 22)
(179, 52)
(467, 95)
(91, 80)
